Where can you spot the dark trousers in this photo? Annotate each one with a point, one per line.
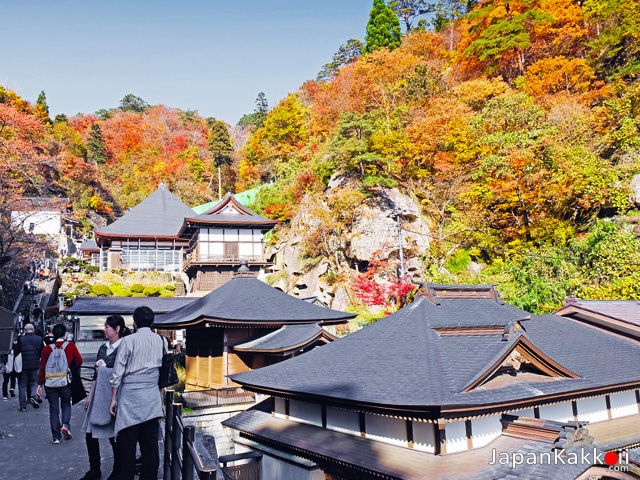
(93, 449)
(59, 403)
(146, 434)
(5, 382)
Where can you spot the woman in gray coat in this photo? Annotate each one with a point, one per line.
(98, 422)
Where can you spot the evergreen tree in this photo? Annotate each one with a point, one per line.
(131, 103)
(221, 147)
(259, 114)
(96, 145)
(41, 109)
(383, 28)
(345, 55)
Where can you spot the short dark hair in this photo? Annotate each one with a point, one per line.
(59, 330)
(143, 316)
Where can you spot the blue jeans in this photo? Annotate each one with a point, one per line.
(27, 386)
(59, 398)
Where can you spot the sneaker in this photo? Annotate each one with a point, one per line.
(5, 398)
(11, 392)
(66, 433)
(39, 399)
(33, 402)
(56, 441)
(23, 409)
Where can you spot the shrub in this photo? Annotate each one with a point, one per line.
(166, 293)
(150, 291)
(101, 290)
(170, 287)
(119, 290)
(137, 288)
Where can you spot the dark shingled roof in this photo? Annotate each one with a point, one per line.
(289, 337)
(624, 310)
(248, 300)
(161, 214)
(125, 305)
(403, 362)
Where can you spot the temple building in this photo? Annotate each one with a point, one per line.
(246, 324)
(455, 385)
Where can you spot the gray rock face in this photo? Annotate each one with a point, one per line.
(374, 235)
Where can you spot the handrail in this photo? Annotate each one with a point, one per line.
(183, 458)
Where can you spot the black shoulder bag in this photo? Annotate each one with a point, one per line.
(168, 375)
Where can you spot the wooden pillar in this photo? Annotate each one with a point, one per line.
(607, 400)
(363, 424)
(409, 424)
(536, 412)
(441, 438)
(638, 400)
(574, 407)
(469, 432)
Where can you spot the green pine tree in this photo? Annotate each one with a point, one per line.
(383, 28)
(221, 147)
(96, 145)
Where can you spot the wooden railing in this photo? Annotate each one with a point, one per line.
(194, 258)
(189, 455)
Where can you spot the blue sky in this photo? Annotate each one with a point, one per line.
(211, 56)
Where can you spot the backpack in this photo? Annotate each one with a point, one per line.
(56, 372)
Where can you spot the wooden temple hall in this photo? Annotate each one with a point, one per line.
(243, 325)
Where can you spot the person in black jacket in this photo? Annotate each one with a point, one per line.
(30, 346)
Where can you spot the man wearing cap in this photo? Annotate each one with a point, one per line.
(136, 401)
(30, 346)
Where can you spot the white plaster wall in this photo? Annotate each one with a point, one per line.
(272, 468)
(456, 437)
(562, 412)
(592, 409)
(280, 410)
(44, 222)
(623, 404)
(523, 413)
(305, 412)
(484, 430)
(340, 420)
(424, 437)
(386, 429)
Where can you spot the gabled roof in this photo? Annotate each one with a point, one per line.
(621, 316)
(245, 198)
(229, 211)
(89, 245)
(160, 215)
(287, 339)
(248, 301)
(402, 362)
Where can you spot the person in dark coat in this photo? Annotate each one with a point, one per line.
(30, 346)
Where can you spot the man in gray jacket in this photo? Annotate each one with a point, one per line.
(30, 346)
(135, 400)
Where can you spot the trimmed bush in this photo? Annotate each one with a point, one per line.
(101, 290)
(137, 288)
(150, 291)
(170, 287)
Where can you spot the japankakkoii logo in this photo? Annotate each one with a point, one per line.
(617, 461)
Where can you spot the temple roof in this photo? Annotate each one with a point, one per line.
(229, 211)
(621, 317)
(161, 214)
(249, 301)
(287, 339)
(456, 352)
(125, 305)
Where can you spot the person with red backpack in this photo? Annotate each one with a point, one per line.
(55, 361)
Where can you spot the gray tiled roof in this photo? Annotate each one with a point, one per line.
(285, 338)
(125, 305)
(401, 361)
(161, 214)
(243, 300)
(625, 310)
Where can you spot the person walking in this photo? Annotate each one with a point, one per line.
(98, 421)
(30, 346)
(59, 397)
(135, 397)
(9, 376)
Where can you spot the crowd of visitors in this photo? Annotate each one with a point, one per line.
(121, 405)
